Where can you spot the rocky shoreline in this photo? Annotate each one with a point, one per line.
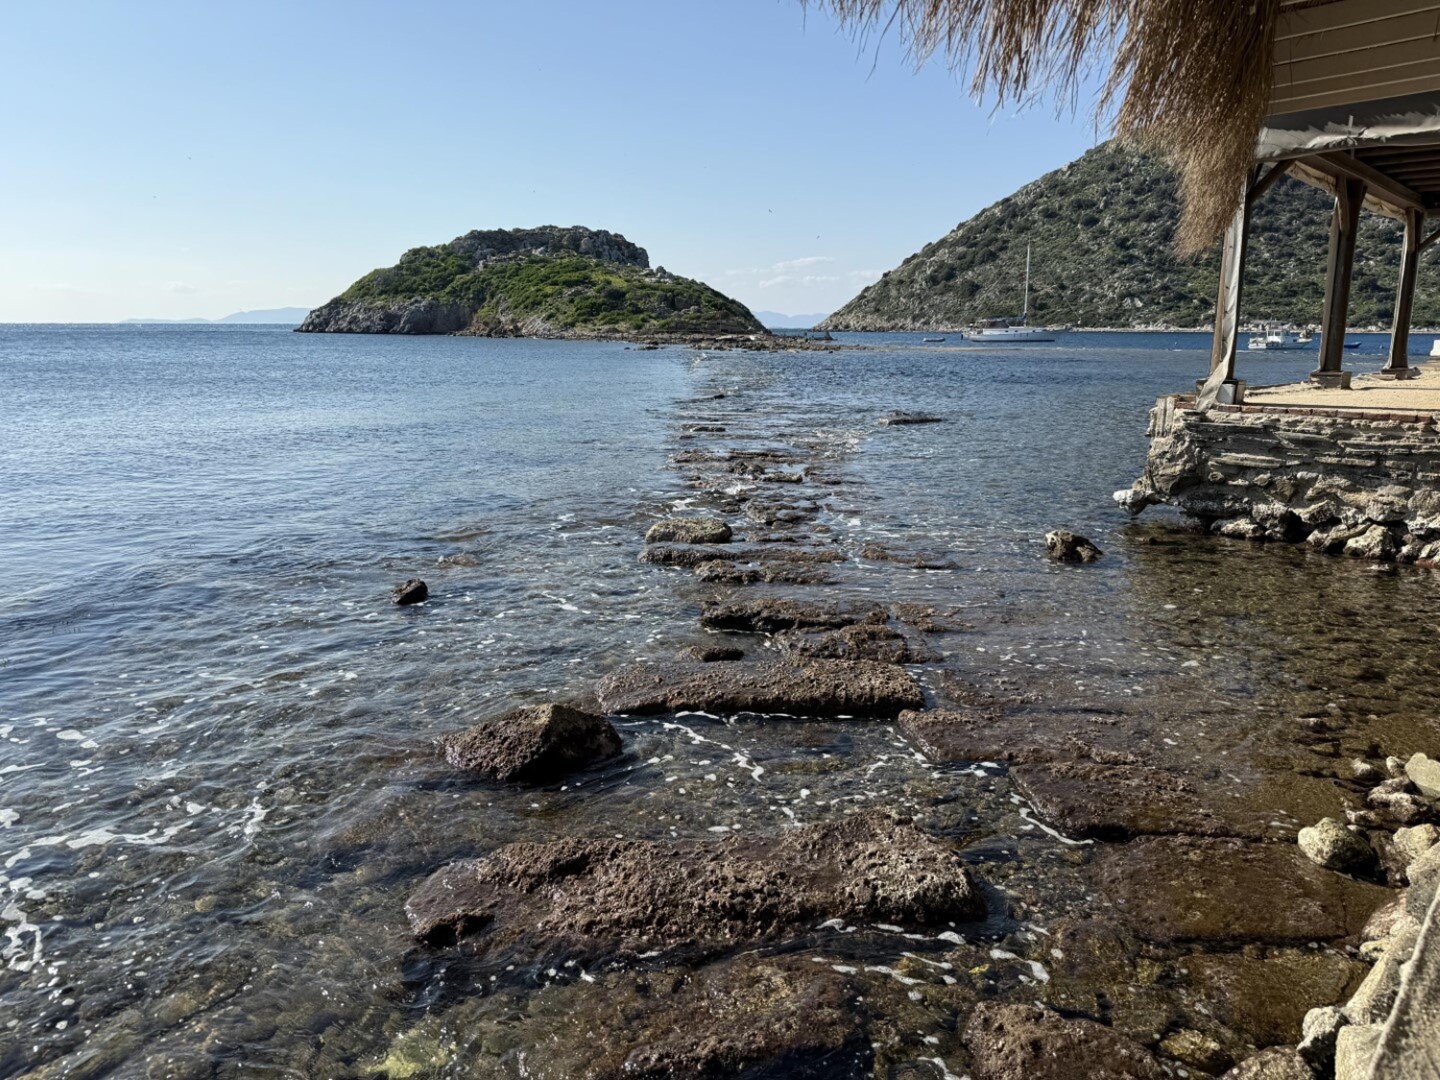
(1169, 969)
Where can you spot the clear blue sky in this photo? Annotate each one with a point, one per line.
(193, 159)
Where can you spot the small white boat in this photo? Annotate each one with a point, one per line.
(1277, 338)
(1016, 329)
(1435, 347)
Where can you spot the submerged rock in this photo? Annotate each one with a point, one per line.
(796, 687)
(1062, 545)
(1330, 844)
(1085, 799)
(689, 531)
(896, 418)
(767, 615)
(752, 1017)
(712, 654)
(716, 572)
(1031, 1042)
(534, 745)
(413, 591)
(637, 896)
(1174, 890)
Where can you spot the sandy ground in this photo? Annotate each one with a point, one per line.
(1366, 392)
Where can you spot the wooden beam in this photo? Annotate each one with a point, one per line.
(1346, 167)
(1428, 241)
(1258, 189)
(1398, 366)
(1339, 270)
(1221, 385)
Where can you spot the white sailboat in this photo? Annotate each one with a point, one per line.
(1013, 330)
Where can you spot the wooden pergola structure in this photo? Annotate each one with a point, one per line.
(1354, 109)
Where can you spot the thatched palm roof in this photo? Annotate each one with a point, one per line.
(1191, 76)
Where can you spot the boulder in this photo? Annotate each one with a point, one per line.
(1354, 1050)
(1317, 1043)
(1330, 844)
(688, 531)
(1424, 773)
(1413, 842)
(1365, 774)
(1197, 1049)
(1062, 545)
(1376, 542)
(1275, 1063)
(611, 897)
(413, 591)
(829, 688)
(1424, 877)
(1174, 890)
(1031, 1042)
(538, 744)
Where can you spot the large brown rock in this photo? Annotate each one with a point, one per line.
(1031, 1042)
(1062, 545)
(829, 688)
(534, 745)
(1181, 889)
(861, 641)
(601, 897)
(992, 733)
(688, 531)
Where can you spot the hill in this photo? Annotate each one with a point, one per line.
(545, 282)
(1102, 230)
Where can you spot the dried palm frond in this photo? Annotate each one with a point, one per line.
(1191, 78)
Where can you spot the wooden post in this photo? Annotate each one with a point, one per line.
(1222, 385)
(1340, 268)
(1398, 366)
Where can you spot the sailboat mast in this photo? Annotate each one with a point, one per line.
(1025, 311)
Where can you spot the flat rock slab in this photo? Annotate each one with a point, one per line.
(693, 555)
(1173, 890)
(1088, 800)
(534, 745)
(1264, 994)
(743, 1017)
(603, 897)
(768, 615)
(823, 688)
(1030, 1042)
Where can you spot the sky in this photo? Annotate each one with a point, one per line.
(177, 160)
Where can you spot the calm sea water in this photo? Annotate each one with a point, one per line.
(217, 777)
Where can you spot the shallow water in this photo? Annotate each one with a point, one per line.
(217, 777)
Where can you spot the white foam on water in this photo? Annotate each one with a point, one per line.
(1025, 813)
(903, 980)
(8, 817)
(256, 813)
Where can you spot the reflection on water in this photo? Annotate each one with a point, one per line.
(217, 783)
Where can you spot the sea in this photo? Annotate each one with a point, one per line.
(218, 774)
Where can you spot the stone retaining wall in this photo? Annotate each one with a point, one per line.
(1361, 483)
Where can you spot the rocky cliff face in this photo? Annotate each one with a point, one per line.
(545, 282)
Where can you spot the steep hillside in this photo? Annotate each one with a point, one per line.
(546, 282)
(1101, 231)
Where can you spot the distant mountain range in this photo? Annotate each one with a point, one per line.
(778, 320)
(288, 316)
(1101, 231)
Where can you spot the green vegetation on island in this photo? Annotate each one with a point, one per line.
(544, 282)
(1101, 231)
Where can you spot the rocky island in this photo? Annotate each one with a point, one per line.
(547, 282)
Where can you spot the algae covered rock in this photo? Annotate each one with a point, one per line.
(538, 744)
(1030, 1042)
(603, 897)
(1062, 545)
